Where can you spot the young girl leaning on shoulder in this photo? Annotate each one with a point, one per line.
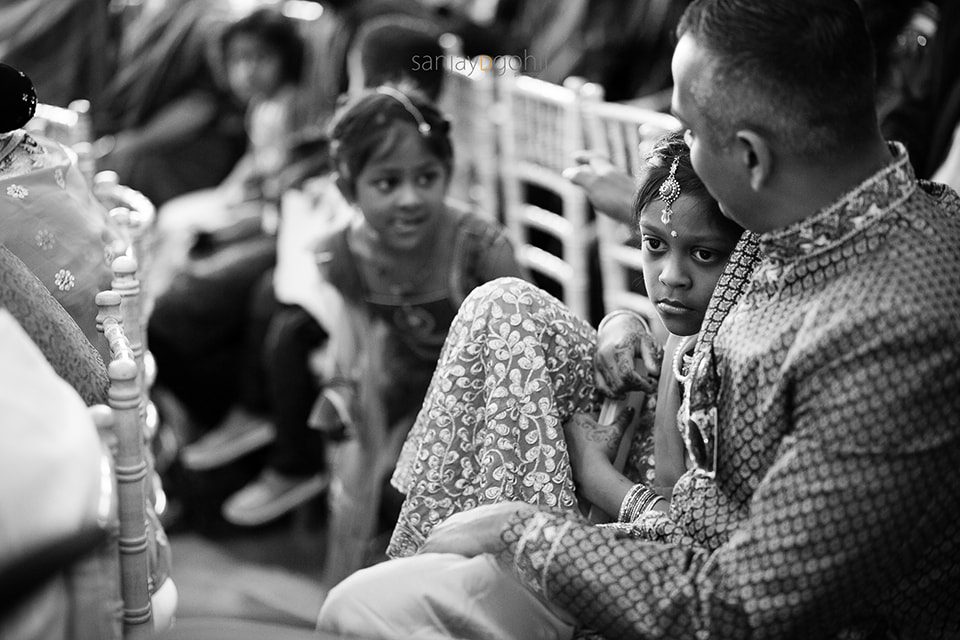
(686, 243)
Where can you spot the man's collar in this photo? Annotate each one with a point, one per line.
(858, 208)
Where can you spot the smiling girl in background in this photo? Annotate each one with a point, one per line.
(402, 267)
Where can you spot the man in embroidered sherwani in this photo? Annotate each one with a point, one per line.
(825, 407)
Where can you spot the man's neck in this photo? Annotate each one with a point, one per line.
(820, 184)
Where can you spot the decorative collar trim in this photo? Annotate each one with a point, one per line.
(858, 208)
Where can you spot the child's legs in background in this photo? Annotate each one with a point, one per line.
(255, 372)
(292, 337)
(199, 328)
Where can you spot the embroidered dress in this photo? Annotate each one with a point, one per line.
(517, 364)
(836, 434)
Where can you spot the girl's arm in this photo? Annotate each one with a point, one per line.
(592, 447)
(669, 452)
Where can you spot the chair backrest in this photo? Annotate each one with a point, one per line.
(130, 467)
(625, 134)
(540, 129)
(468, 100)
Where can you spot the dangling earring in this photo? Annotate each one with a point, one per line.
(669, 192)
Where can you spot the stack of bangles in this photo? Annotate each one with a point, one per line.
(639, 499)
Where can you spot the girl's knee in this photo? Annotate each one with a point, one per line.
(501, 293)
(501, 286)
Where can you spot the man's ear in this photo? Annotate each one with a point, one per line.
(756, 157)
(346, 186)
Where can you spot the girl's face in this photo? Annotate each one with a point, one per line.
(401, 190)
(254, 70)
(681, 272)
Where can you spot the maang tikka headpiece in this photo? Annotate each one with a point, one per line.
(422, 125)
(669, 192)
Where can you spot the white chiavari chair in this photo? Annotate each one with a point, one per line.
(625, 134)
(468, 100)
(540, 129)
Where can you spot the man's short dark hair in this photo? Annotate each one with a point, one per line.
(798, 71)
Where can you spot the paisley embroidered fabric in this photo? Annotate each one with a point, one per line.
(516, 365)
(838, 442)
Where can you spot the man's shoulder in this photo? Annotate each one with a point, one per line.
(923, 248)
(902, 272)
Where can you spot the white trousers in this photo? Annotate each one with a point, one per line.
(438, 595)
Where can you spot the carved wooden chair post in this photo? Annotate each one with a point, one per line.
(108, 559)
(130, 466)
(126, 283)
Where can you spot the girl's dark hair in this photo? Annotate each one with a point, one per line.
(277, 32)
(359, 127)
(666, 149)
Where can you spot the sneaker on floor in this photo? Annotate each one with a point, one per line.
(270, 496)
(240, 433)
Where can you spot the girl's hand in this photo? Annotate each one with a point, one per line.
(622, 339)
(471, 533)
(591, 445)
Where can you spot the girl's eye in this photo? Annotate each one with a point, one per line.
(705, 256)
(384, 184)
(428, 178)
(653, 244)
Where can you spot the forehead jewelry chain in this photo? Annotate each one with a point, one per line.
(669, 192)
